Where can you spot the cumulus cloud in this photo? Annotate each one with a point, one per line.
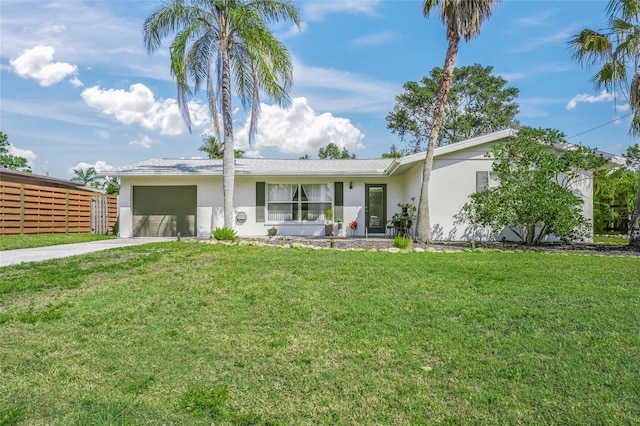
(25, 153)
(37, 63)
(75, 82)
(100, 166)
(300, 130)
(139, 106)
(604, 96)
(143, 140)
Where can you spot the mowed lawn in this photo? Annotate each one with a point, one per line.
(189, 333)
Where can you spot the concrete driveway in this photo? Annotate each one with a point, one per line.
(13, 257)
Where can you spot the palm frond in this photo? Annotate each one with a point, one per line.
(590, 47)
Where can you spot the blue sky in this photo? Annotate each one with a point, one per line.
(78, 89)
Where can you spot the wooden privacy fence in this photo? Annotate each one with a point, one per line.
(33, 209)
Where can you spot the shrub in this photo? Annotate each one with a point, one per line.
(224, 234)
(401, 242)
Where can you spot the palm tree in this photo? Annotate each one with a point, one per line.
(218, 42)
(462, 19)
(617, 50)
(85, 176)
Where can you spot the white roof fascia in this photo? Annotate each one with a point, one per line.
(453, 147)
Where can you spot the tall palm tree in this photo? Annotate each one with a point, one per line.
(617, 50)
(220, 42)
(85, 176)
(462, 19)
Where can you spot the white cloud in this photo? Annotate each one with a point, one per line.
(100, 166)
(139, 106)
(604, 96)
(343, 91)
(538, 42)
(37, 63)
(25, 153)
(378, 39)
(512, 76)
(75, 82)
(317, 10)
(143, 140)
(103, 134)
(299, 130)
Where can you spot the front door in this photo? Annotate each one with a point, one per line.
(375, 210)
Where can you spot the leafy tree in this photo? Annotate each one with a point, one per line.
(462, 18)
(215, 149)
(478, 103)
(111, 185)
(88, 176)
(332, 152)
(305, 157)
(394, 152)
(615, 49)
(614, 195)
(218, 43)
(10, 161)
(534, 199)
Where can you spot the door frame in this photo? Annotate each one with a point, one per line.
(381, 229)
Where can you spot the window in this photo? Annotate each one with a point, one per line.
(298, 202)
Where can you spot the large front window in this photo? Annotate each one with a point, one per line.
(298, 202)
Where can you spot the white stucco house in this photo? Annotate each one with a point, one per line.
(161, 197)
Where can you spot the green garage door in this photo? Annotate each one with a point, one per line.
(163, 211)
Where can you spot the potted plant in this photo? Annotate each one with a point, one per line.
(272, 231)
(339, 222)
(328, 224)
(403, 220)
(353, 225)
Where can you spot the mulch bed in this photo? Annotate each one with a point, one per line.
(381, 243)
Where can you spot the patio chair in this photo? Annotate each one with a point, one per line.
(390, 229)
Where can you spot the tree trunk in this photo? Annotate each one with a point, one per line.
(634, 224)
(423, 225)
(228, 161)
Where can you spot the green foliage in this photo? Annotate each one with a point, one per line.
(401, 242)
(614, 196)
(534, 199)
(332, 152)
(328, 215)
(215, 149)
(85, 176)
(224, 234)
(394, 152)
(478, 103)
(10, 161)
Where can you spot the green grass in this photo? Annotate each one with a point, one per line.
(610, 239)
(189, 333)
(14, 242)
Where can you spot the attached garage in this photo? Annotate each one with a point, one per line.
(163, 211)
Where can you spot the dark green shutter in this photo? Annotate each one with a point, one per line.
(338, 191)
(260, 201)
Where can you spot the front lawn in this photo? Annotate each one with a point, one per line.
(14, 242)
(611, 239)
(190, 333)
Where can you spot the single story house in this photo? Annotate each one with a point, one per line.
(161, 197)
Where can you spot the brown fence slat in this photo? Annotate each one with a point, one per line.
(34, 209)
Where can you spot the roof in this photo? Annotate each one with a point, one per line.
(14, 176)
(290, 167)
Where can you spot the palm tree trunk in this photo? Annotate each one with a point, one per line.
(423, 225)
(634, 224)
(228, 161)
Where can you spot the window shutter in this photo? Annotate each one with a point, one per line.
(482, 181)
(260, 201)
(338, 200)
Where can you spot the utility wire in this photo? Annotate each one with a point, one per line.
(602, 125)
